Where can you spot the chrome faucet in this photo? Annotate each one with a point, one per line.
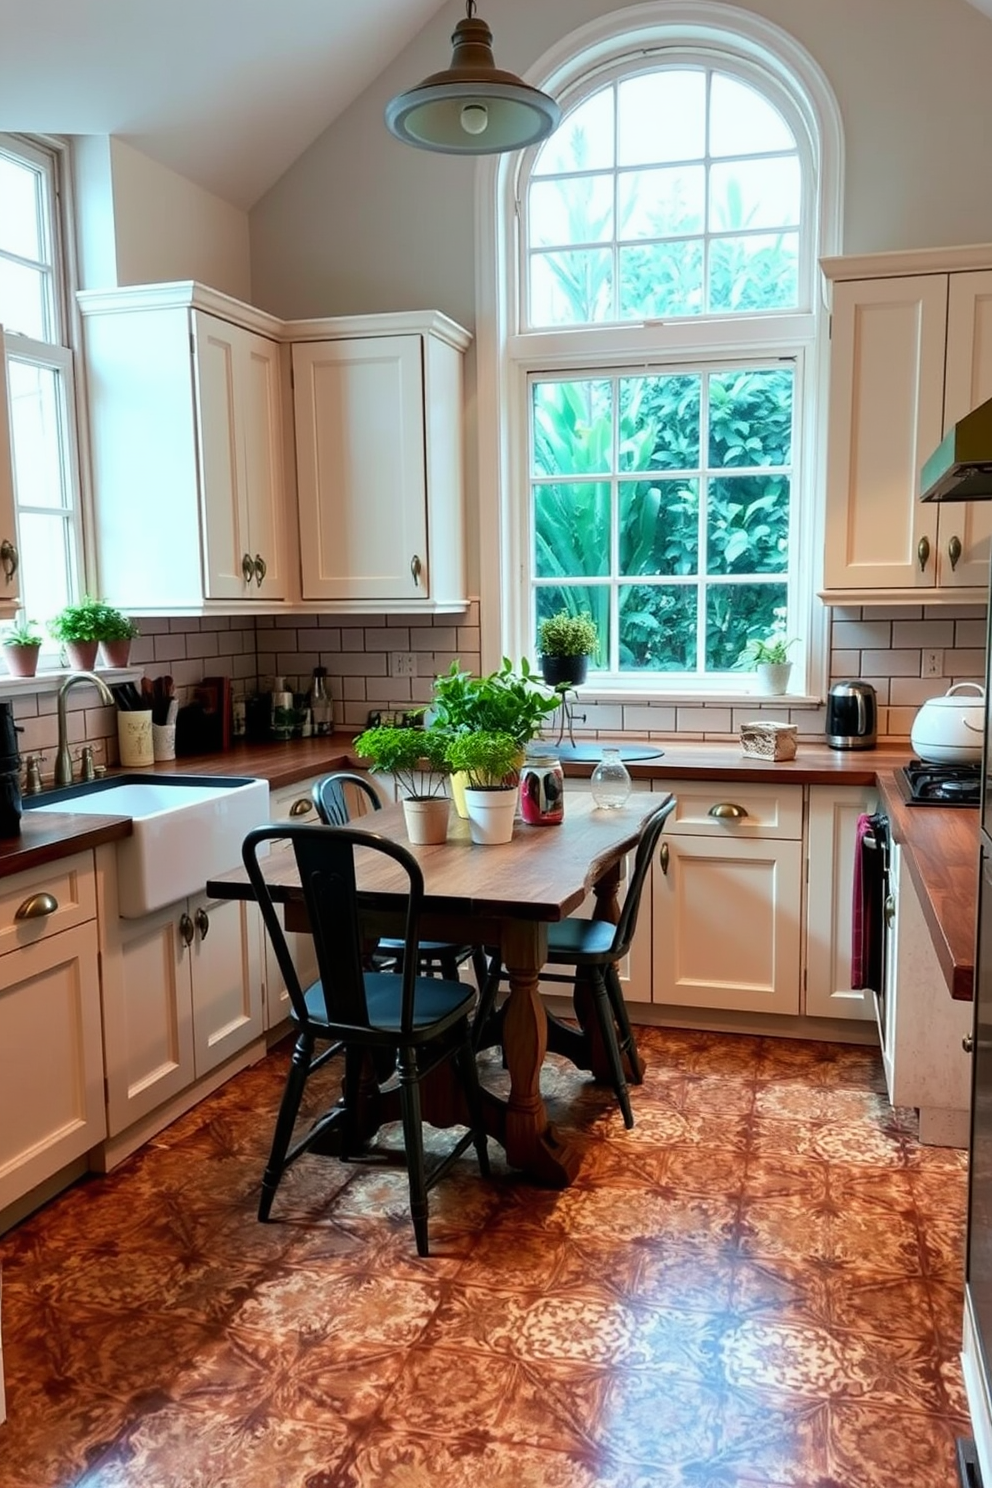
(63, 759)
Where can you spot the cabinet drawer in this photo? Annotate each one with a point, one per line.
(70, 883)
(763, 810)
(292, 803)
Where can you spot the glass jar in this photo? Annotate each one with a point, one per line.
(320, 703)
(542, 790)
(611, 782)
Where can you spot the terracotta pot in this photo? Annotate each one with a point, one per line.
(116, 653)
(81, 654)
(426, 819)
(22, 661)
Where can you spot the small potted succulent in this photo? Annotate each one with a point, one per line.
(768, 657)
(418, 759)
(490, 761)
(21, 648)
(566, 642)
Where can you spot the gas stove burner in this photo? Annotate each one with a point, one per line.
(926, 784)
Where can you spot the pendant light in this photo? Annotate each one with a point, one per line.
(473, 108)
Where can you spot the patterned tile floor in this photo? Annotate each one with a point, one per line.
(760, 1286)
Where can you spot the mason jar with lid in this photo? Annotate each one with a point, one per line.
(542, 790)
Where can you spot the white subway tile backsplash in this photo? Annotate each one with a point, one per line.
(963, 664)
(890, 663)
(860, 635)
(894, 612)
(970, 633)
(909, 692)
(923, 633)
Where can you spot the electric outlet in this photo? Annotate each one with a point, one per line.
(402, 664)
(933, 664)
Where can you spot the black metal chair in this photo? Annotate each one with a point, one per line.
(331, 798)
(425, 1020)
(593, 947)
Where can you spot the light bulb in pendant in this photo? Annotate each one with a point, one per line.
(475, 118)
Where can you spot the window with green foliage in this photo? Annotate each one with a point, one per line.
(664, 488)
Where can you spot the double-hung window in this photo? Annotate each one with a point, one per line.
(39, 370)
(661, 313)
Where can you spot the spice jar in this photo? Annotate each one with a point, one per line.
(542, 790)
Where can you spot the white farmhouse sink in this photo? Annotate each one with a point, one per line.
(184, 830)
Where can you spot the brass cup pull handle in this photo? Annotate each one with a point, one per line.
(301, 807)
(9, 558)
(923, 552)
(954, 551)
(247, 568)
(889, 909)
(186, 929)
(728, 811)
(416, 569)
(260, 570)
(202, 922)
(37, 907)
(664, 856)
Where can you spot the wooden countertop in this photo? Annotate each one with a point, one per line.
(47, 836)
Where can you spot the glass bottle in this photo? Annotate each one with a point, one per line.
(542, 790)
(611, 782)
(320, 702)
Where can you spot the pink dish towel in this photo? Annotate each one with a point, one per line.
(858, 909)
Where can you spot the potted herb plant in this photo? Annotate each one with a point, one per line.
(21, 648)
(490, 761)
(768, 657)
(117, 631)
(417, 757)
(566, 642)
(76, 627)
(507, 701)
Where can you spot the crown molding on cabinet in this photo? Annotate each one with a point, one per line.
(182, 293)
(910, 261)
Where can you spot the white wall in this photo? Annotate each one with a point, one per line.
(362, 223)
(141, 223)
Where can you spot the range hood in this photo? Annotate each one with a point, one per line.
(960, 468)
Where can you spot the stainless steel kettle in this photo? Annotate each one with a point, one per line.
(852, 715)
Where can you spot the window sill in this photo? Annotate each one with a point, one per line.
(686, 696)
(50, 680)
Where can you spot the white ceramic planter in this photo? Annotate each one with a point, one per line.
(773, 677)
(426, 819)
(490, 815)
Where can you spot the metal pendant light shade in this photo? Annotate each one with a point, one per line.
(473, 108)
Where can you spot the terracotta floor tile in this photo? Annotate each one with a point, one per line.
(759, 1286)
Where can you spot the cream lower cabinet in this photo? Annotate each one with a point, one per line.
(831, 835)
(182, 993)
(51, 1052)
(727, 899)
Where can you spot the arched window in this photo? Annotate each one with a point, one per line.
(659, 359)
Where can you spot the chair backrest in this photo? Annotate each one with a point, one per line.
(326, 863)
(646, 844)
(331, 796)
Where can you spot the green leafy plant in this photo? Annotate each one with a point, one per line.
(23, 633)
(771, 649)
(116, 626)
(417, 757)
(490, 758)
(568, 634)
(91, 620)
(506, 701)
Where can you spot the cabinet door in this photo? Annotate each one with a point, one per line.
(260, 423)
(51, 1094)
(10, 581)
(965, 527)
(360, 456)
(148, 1016)
(886, 418)
(226, 970)
(726, 924)
(833, 820)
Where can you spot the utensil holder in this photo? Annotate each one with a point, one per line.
(164, 741)
(134, 738)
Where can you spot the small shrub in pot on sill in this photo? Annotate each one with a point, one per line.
(490, 760)
(82, 627)
(768, 658)
(21, 648)
(117, 631)
(566, 642)
(418, 760)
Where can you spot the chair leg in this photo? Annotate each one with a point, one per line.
(449, 966)
(607, 1028)
(469, 1071)
(480, 968)
(628, 1043)
(413, 1138)
(289, 1108)
(487, 1001)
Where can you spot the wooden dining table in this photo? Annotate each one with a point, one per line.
(504, 897)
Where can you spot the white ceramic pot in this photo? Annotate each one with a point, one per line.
(426, 819)
(773, 677)
(948, 730)
(490, 815)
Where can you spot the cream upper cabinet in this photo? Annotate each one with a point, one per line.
(185, 397)
(10, 580)
(379, 461)
(909, 354)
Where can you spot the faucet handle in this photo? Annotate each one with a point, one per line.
(32, 782)
(87, 770)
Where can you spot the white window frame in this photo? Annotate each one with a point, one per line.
(779, 67)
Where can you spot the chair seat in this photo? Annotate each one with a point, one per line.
(437, 1005)
(427, 947)
(576, 939)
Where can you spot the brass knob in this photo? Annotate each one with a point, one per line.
(416, 568)
(186, 929)
(37, 907)
(202, 922)
(889, 910)
(9, 559)
(301, 807)
(663, 857)
(968, 1043)
(247, 568)
(260, 570)
(923, 552)
(954, 551)
(728, 811)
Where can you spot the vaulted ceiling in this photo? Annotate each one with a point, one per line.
(226, 92)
